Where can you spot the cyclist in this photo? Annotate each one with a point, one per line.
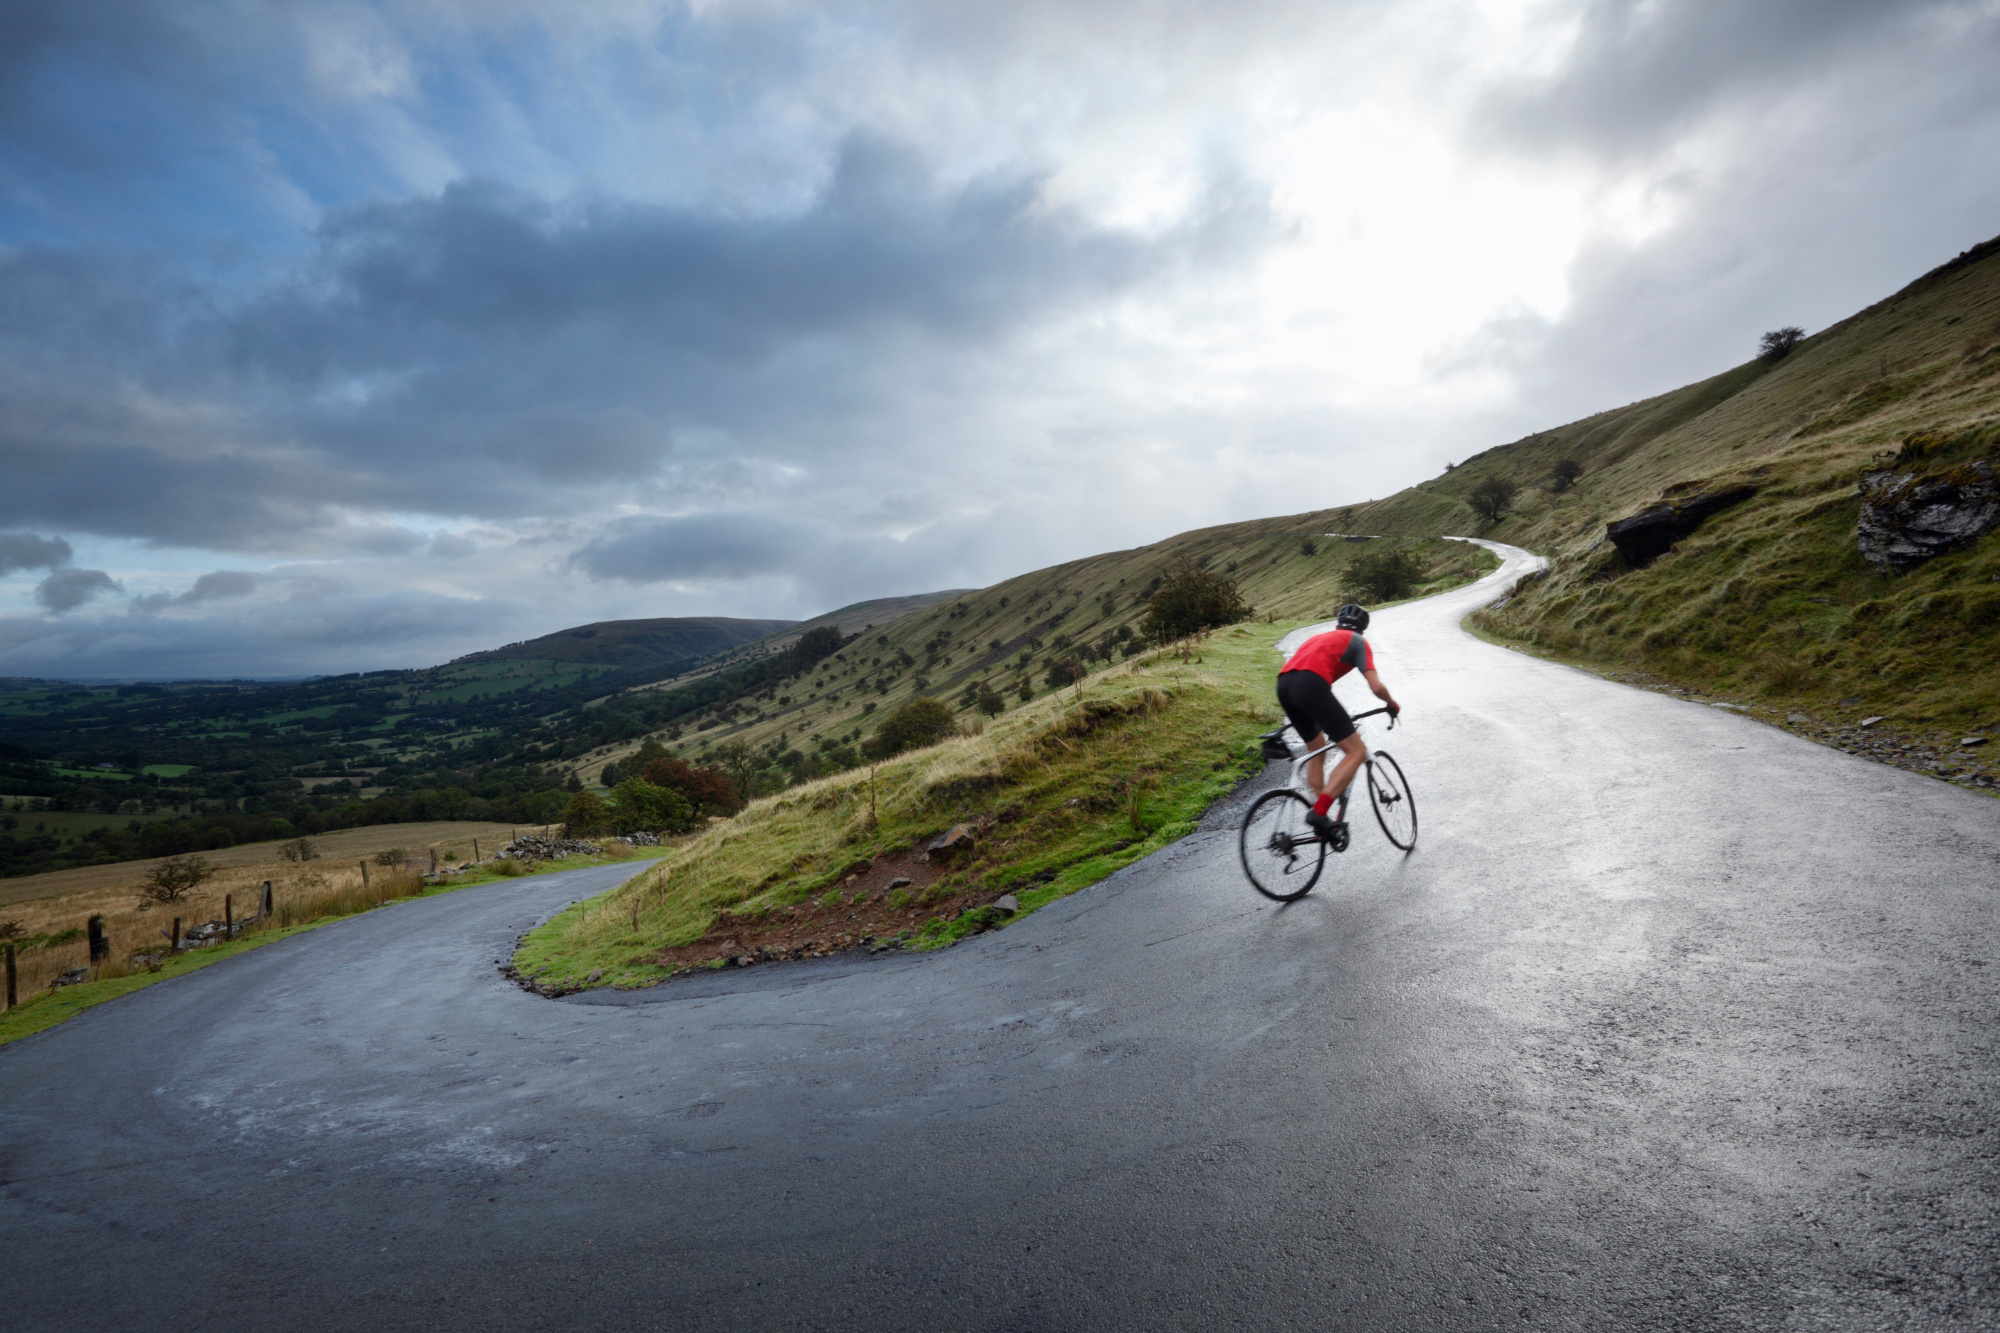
(1305, 691)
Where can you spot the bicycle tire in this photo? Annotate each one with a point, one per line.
(1395, 807)
(1281, 857)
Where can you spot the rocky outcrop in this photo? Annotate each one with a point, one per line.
(1651, 533)
(1908, 518)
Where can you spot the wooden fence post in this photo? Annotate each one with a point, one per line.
(100, 948)
(434, 860)
(175, 938)
(475, 851)
(264, 905)
(12, 997)
(364, 874)
(228, 918)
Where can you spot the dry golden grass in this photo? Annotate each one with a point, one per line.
(67, 899)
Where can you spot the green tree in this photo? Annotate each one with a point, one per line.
(640, 807)
(1565, 475)
(585, 814)
(708, 789)
(1190, 598)
(1492, 498)
(1066, 671)
(920, 722)
(172, 880)
(1778, 343)
(1385, 572)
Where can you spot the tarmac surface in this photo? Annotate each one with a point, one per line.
(1671, 1020)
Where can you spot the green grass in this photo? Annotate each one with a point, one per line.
(168, 770)
(44, 1010)
(1051, 785)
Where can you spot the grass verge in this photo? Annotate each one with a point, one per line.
(47, 1008)
(1058, 794)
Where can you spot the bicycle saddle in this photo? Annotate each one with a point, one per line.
(1274, 745)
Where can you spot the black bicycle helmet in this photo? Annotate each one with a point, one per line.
(1353, 616)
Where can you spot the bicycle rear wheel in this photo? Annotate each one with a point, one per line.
(1280, 854)
(1389, 793)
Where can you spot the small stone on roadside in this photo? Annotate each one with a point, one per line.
(1870, 721)
(1973, 740)
(1007, 903)
(1797, 717)
(901, 882)
(595, 975)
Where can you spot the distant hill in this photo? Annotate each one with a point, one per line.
(635, 643)
(867, 615)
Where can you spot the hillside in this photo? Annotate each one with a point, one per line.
(634, 643)
(1769, 600)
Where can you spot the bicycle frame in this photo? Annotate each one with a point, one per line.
(1299, 764)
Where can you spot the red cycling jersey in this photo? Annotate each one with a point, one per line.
(1331, 656)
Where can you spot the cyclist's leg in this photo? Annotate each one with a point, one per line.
(1353, 753)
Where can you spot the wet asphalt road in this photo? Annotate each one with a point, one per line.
(1672, 1020)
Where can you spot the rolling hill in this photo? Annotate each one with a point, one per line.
(630, 644)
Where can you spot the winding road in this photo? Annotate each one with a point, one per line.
(1672, 1020)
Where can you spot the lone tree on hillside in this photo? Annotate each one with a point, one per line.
(1385, 572)
(920, 722)
(172, 880)
(1565, 475)
(1191, 598)
(1778, 343)
(1492, 498)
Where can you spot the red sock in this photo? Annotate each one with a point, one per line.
(1323, 804)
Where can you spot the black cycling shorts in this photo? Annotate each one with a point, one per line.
(1311, 708)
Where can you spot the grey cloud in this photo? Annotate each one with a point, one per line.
(483, 352)
(1643, 71)
(222, 585)
(67, 589)
(22, 550)
(725, 546)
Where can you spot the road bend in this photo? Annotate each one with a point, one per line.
(1671, 1020)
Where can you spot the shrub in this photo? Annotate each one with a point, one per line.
(1384, 572)
(1066, 671)
(393, 856)
(920, 722)
(300, 849)
(1189, 599)
(1492, 498)
(989, 701)
(1565, 475)
(1778, 343)
(1308, 547)
(172, 880)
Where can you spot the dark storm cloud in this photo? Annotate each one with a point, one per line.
(1643, 71)
(23, 550)
(67, 589)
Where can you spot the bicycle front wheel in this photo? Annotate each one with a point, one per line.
(1281, 855)
(1389, 793)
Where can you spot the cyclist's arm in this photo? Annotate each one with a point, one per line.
(1381, 691)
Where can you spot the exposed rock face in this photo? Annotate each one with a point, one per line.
(1908, 518)
(1651, 533)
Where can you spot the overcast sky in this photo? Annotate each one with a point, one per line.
(346, 335)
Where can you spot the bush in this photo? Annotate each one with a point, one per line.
(393, 856)
(920, 722)
(1565, 475)
(1190, 599)
(1066, 671)
(989, 701)
(1778, 343)
(300, 849)
(172, 880)
(1384, 573)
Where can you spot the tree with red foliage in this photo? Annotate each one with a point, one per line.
(708, 789)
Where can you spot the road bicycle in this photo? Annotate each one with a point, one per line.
(1281, 853)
